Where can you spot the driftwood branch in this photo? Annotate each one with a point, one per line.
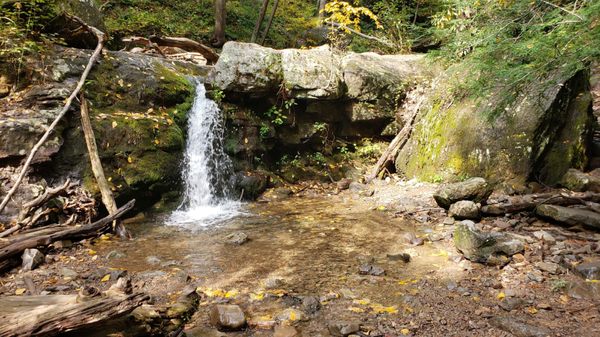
(364, 36)
(389, 155)
(52, 315)
(93, 58)
(142, 41)
(187, 44)
(50, 234)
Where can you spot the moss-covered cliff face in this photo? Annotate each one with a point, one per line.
(138, 106)
(543, 133)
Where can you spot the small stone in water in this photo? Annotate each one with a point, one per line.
(369, 269)
(237, 238)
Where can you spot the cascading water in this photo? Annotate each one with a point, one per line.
(206, 169)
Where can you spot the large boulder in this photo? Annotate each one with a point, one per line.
(489, 248)
(578, 181)
(370, 76)
(474, 189)
(248, 68)
(541, 134)
(312, 73)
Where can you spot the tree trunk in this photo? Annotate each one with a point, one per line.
(220, 17)
(275, 4)
(321, 12)
(259, 21)
(52, 315)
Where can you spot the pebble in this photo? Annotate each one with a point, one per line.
(227, 317)
(68, 273)
(369, 269)
(237, 238)
(311, 304)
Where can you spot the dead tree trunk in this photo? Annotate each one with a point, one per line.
(218, 38)
(52, 315)
(187, 44)
(389, 155)
(268, 28)
(101, 39)
(259, 21)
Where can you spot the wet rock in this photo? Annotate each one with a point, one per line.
(252, 184)
(343, 184)
(273, 283)
(113, 254)
(518, 327)
(549, 267)
(570, 216)
(405, 257)
(474, 189)
(237, 238)
(484, 247)
(578, 181)
(203, 332)
(285, 331)
(62, 244)
(281, 193)
(153, 260)
(32, 258)
(512, 303)
(67, 273)
(291, 315)
(311, 304)
(545, 236)
(369, 269)
(339, 329)
(464, 209)
(413, 239)
(227, 317)
(261, 322)
(589, 270)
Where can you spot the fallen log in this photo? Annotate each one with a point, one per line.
(569, 216)
(187, 44)
(17, 244)
(528, 202)
(51, 315)
(389, 155)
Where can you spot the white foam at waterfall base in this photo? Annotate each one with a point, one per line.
(206, 169)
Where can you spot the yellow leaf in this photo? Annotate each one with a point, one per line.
(365, 301)
(405, 332)
(381, 208)
(129, 159)
(156, 141)
(292, 315)
(109, 179)
(592, 281)
(500, 296)
(169, 121)
(231, 294)
(20, 291)
(114, 124)
(91, 252)
(121, 83)
(106, 278)
(532, 310)
(564, 299)
(257, 296)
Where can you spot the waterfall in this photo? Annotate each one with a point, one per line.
(206, 170)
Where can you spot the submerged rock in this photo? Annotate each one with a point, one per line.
(474, 189)
(570, 216)
(227, 317)
(464, 209)
(490, 248)
(237, 238)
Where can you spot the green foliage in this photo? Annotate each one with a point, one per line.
(557, 285)
(503, 45)
(276, 115)
(21, 25)
(195, 19)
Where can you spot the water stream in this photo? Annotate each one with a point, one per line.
(206, 169)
